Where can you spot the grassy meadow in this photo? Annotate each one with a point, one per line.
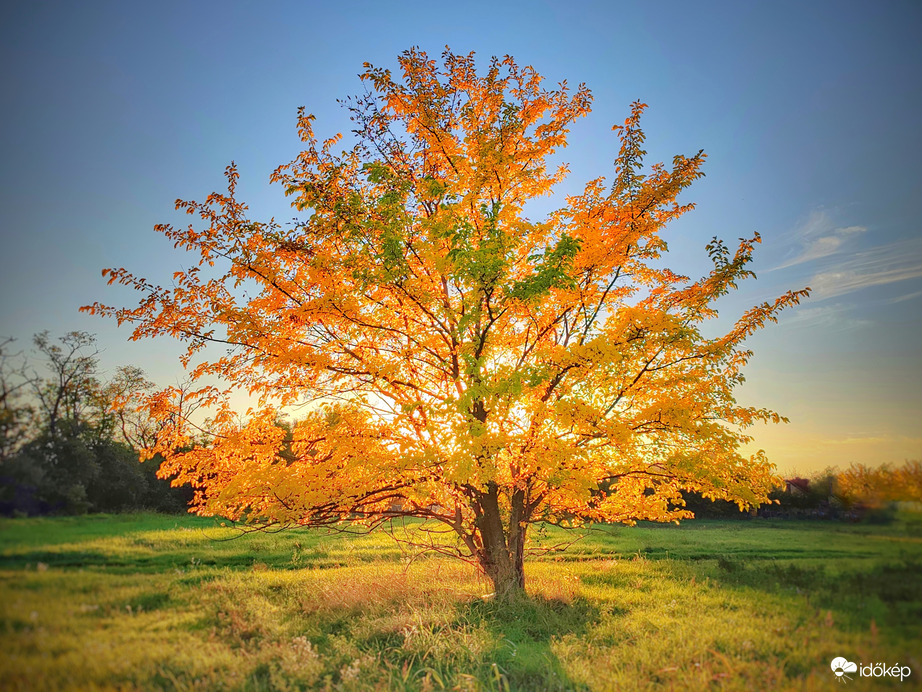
(163, 602)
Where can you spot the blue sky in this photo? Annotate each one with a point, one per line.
(809, 113)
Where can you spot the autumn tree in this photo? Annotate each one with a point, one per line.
(878, 486)
(464, 363)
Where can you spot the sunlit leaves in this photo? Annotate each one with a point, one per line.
(458, 355)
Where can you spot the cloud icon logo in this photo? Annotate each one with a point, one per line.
(840, 666)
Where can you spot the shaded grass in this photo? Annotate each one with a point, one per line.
(156, 602)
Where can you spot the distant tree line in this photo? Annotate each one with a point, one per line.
(858, 493)
(69, 439)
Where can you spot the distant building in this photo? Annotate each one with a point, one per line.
(797, 486)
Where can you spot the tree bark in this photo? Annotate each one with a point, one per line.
(502, 555)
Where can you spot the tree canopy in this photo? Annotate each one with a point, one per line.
(464, 362)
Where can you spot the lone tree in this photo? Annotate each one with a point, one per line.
(465, 363)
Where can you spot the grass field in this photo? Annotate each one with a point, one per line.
(162, 602)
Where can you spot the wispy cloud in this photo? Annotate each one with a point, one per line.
(908, 296)
(829, 318)
(819, 237)
(878, 266)
(896, 441)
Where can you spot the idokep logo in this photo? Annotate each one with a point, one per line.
(840, 666)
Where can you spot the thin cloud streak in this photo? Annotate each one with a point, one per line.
(879, 266)
(820, 238)
(908, 296)
(831, 318)
(876, 440)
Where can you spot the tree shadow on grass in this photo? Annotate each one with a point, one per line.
(523, 630)
(892, 581)
(53, 558)
(889, 591)
(158, 561)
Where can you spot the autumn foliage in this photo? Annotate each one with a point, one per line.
(464, 362)
(878, 486)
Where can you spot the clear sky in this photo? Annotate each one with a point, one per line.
(810, 113)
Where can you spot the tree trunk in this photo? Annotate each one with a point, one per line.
(502, 556)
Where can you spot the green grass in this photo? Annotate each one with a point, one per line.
(156, 602)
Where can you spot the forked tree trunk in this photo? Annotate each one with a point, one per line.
(503, 552)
